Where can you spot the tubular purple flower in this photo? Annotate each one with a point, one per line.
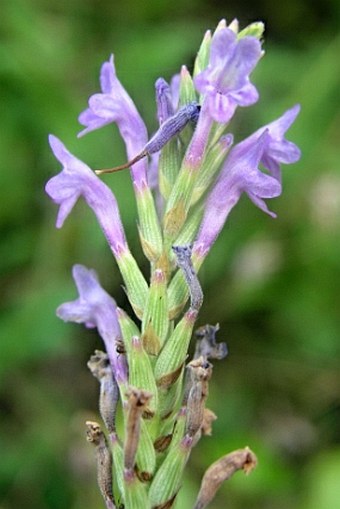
(96, 308)
(225, 82)
(115, 105)
(77, 179)
(239, 174)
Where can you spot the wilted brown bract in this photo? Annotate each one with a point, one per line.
(99, 366)
(95, 435)
(137, 402)
(201, 371)
(221, 471)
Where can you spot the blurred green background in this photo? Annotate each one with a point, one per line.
(273, 285)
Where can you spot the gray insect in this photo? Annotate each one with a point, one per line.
(170, 128)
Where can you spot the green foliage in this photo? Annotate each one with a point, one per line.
(273, 285)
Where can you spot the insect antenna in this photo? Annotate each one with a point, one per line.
(137, 158)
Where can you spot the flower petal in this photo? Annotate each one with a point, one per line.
(107, 75)
(115, 105)
(278, 150)
(96, 308)
(239, 174)
(225, 81)
(75, 180)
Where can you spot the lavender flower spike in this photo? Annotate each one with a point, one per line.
(76, 179)
(239, 174)
(96, 308)
(225, 82)
(115, 105)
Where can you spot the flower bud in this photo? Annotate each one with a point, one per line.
(167, 481)
(136, 286)
(202, 57)
(179, 427)
(128, 328)
(118, 462)
(149, 228)
(178, 294)
(135, 495)
(168, 167)
(141, 374)
(169, 393)
(146, 454)
(187, 92)
(172, 357)
(255, 29)
(176, 215)
(155, 322)
(187, 95)
(212, 164)
(190, 227)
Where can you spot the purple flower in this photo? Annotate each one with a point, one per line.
(240, 173)
(77, 179)
(115, 105)
(225, 82)
(96, 308)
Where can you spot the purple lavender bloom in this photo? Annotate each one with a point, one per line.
(115, 105)
(77, 179)
(96, 308)
(240, 173)
(225, 82)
